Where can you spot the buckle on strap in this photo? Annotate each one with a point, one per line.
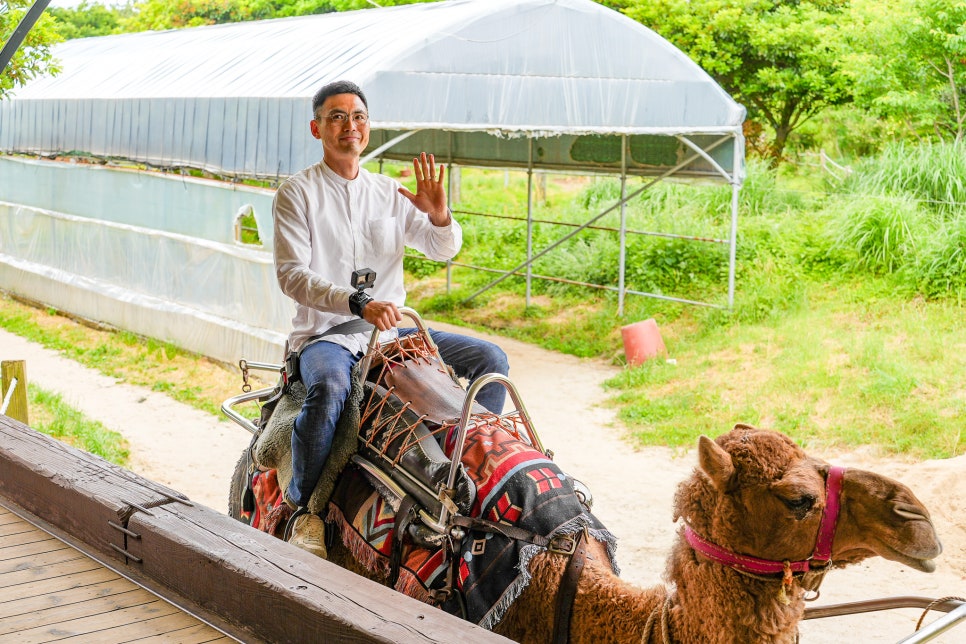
(564, 544)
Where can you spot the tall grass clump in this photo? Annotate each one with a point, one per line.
(907, 214)
(941, 263)
(935, 174)
(879, 233)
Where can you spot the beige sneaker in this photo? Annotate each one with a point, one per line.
(308, 533)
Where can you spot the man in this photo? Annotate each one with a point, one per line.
(331, 219)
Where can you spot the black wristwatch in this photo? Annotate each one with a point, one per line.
(358, 301)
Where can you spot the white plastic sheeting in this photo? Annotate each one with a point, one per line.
(480, 79)
(175, 204)
(190, 284)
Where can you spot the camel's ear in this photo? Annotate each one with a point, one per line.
(715, 463)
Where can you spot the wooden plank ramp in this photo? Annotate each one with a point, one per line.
(241, 582)
(51, 591)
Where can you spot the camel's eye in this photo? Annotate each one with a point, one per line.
(800, 505)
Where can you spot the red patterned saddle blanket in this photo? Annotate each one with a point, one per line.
(516, 485)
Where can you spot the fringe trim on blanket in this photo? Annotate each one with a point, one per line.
(513, 592)
(360, 550)
(606, 537)
(375, 562)
(409, 584)
(527, 553)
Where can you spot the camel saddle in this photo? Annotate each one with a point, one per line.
(429, 390)
(416, 402)
(396, 427)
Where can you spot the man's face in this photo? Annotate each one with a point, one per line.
(342, 124)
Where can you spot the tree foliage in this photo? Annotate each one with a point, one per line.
(165, 14)
(88, 19)
(34, 57)
(778, 58)
(909, 64)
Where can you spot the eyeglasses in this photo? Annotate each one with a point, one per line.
(341, 118)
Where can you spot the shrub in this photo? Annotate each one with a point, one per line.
(941, 265)
(934, 174)
(879, 232)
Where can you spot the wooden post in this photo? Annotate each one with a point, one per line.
(14, 372)
(455, 184)
(540, 188)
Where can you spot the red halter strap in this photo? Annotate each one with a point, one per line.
(820, 557)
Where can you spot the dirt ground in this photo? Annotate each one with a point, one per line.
(194, 453)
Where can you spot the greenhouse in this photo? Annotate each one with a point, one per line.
(535, 85)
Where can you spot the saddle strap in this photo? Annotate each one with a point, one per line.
(562, 544)
(345, 328)
(290, 370)
(568, 591)
(404, 516)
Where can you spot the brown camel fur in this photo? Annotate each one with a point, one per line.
(754, 492)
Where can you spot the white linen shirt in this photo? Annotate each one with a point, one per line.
(327, 226)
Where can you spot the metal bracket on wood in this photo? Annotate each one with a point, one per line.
(127, 555)
(127, 533)
(129, 511)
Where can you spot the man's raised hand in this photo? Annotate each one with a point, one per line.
(430, 196)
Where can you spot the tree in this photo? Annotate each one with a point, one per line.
(780, 59)
(34, 57)
(88, 19)
(165, 14)
(909, 64)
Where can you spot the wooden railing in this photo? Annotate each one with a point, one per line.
(249, 584)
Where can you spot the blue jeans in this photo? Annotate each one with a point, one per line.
(326, 371)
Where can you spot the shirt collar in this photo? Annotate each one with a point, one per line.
(336, 177)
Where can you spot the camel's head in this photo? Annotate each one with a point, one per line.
(757, 493)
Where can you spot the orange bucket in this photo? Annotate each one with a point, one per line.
(642, 341)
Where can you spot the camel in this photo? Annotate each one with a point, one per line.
(762, 522)
(755, 493)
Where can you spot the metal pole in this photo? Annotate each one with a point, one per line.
(529, 216)
(16, 39)
(544, 251)
(449, 202)
(733, 237)
(941, 625)
(623, 229)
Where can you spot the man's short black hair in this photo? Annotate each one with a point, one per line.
(333, 88)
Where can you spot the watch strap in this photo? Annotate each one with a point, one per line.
(358, 301)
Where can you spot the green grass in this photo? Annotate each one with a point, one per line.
(853, 367)
(935, 174)
(51, 415)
